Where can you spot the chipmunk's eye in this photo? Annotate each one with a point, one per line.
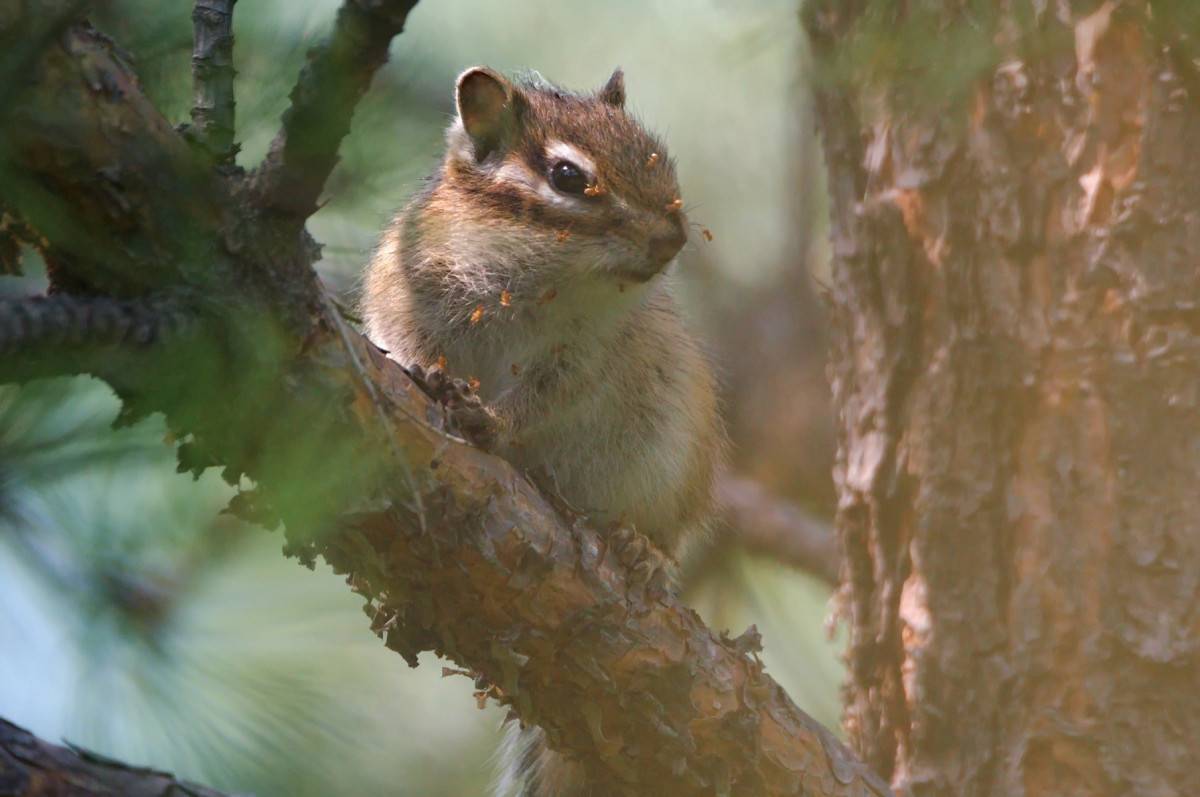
(568, 178)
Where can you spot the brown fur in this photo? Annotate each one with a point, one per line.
(579, 350)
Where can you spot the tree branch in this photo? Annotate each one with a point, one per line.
(455, 551)
(338, 72)
(781, 530)
(133, 341)
(213, 100)
(30, 767)
(69, 321)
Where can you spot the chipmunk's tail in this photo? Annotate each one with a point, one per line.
(527, 768)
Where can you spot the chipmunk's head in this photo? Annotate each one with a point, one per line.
(576, 178)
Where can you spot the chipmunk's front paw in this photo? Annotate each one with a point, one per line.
(651, 570)
(466, 413)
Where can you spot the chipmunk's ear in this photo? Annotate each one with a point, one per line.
(613, 92)
(488, 106)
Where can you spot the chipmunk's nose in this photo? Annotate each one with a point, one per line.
(668, 239)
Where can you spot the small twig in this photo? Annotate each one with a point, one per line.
(212, 79)
(779, 529)
(61, 320)
(304, 152)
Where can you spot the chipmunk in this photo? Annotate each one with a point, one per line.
(532, 264)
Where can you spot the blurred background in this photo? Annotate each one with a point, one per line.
(138, 621)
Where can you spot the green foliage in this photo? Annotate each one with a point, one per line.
(150, 627)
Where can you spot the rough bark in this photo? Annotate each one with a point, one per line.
(31, 767)
(453, 550)
(1015, 362)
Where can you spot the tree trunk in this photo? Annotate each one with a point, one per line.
(1016, 370)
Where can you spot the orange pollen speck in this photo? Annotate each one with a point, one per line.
(707, 233)
(505, 299)
(563, 235)
(473, 383)
(593, 190)
(441, 362)
(477, 314)
(653, 159)
(674, 205)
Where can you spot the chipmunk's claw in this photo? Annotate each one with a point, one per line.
(465, 412)
(649, 568)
